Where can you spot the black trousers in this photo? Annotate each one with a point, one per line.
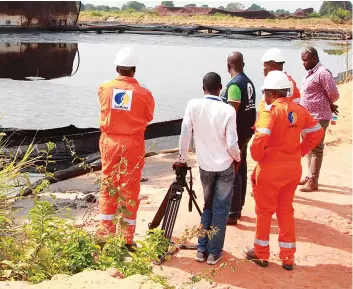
(240, 181)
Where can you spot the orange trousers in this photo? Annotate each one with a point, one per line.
(274, 188)
(122, 164)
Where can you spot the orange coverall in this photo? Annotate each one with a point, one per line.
(293, 94)
(278, 151)
(126, 109)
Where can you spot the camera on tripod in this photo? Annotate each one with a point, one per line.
(169, 208)
(181, 173)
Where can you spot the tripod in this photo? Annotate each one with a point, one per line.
(169, 208)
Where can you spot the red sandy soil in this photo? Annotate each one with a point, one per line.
(323, 222)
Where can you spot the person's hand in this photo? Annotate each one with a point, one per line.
(334, 109)
(177, 165)
(236, 166)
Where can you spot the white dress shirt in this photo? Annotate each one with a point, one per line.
(214, 124)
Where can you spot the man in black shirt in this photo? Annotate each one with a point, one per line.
(240, 93)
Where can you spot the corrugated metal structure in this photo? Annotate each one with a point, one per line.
(20, 61)
(167, 11)
(39, 13)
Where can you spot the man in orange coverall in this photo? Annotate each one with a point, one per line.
(278, 151)
(126, 109)
(273, 59)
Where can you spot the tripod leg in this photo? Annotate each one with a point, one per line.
(171, 214)
(160, 213)
(197, 206)
(192, 197)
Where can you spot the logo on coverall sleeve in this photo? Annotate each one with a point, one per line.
(293, 118)
(122, 99)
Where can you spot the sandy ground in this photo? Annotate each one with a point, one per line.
(323, 221)
(235, 22)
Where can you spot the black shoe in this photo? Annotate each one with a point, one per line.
(213, 259)
(232, 220)
(250, 255)
(239, 215)
(287, 267)
(131, 247)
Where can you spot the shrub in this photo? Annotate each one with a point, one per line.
(314, 15)
(341, 16)
(96, 14)
(50, 244)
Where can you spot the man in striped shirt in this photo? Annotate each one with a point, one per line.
(319, 93)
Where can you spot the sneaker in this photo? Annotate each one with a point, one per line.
(213, 259)
(250, 255)
(200, 256)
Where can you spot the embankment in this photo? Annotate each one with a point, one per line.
(211, 20)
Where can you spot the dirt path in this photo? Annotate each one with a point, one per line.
(323, 221)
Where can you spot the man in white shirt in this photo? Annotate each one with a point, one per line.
(214, 125)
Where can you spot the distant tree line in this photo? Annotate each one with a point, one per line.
(131, 5)
(339, 9)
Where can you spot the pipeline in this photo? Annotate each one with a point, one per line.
(192, 30)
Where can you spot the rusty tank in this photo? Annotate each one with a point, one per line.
(39, 14)
(30, 61)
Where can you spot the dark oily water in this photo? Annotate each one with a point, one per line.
(51, 80)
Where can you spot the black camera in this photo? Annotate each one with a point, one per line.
(181, 173)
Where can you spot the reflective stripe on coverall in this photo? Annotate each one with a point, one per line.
(294, 95)
(126, 109)
(278, 151)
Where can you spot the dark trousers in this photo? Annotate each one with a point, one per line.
(240, 181)
(316, 156)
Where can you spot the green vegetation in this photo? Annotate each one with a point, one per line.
(328, 7)
(167, 3)
(314, 15)
(96, 14)
(341, 16)
(255, 7)
(135, 5)
(235, 6)
(50, 244)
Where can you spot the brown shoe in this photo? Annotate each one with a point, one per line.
(311, 186)
(304, 181)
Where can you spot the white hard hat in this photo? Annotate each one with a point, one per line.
(127, 57)
(276, 80)
(273, 54)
